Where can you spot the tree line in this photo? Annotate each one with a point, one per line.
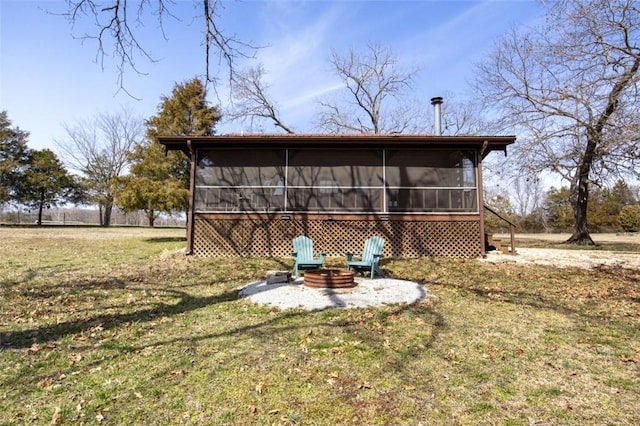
(611, 209)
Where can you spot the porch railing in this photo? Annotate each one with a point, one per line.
(512, 228)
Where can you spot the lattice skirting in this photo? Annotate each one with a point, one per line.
(272, 237)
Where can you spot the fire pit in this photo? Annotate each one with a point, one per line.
(329, 278)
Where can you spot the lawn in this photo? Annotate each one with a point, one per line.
(116, 326)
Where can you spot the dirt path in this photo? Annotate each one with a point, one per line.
(571, 257)
(627, 237)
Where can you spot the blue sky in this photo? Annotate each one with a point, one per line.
(48, 78)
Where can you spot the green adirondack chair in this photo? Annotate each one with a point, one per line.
(369, 258)
(304, 256)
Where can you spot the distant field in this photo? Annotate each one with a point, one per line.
(88, 232)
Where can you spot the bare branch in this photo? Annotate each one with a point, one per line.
(99, 149)
(116, 32)
(251, 98)
(376, 85)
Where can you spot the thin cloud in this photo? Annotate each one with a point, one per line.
(313, 94)
(297, 40)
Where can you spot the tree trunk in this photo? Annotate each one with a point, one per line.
(100, 219)
(40, 209)
(108, 207)
(581, 231)
(579, 194)
(151, 216)
(106, 221)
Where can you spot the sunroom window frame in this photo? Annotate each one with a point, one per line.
(385, 209)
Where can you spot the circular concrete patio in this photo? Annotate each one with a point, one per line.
(295, 295)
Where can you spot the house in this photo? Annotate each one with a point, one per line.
(252, 194)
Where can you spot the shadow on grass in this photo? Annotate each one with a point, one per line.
(261, 329)
(165, 240)
(52, 332)
(26, 338)
(593, 295)
(361, 322)
(615, 274)
(259, 334)
(602, 288)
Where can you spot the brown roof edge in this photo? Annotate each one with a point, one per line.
(185, 143)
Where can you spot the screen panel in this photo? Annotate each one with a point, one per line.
(336, 180)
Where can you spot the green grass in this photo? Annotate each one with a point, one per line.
(117, 326)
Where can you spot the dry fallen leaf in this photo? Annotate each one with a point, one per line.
(75, 357)
(45, 383)
(56, 419)
(177, 374)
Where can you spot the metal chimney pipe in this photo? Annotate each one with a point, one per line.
(437, 112)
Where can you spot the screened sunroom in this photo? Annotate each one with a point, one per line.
(336, 181)
(250, 195)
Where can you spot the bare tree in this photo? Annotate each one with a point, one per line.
(99, 149)
(251, 100)
(116, 26)
(570, 89)
(526, 194)
(376, 99)
(463, 117)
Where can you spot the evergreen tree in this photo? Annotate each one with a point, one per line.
(629, 218)
(606, 205)
(604, 208)
(185, 113)
(157, 182)
(150, 187)
(622, 194)
(14, 156)
(45, 183)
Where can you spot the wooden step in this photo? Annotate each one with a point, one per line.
(495, 242)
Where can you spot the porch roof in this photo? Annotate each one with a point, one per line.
(187, 144)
